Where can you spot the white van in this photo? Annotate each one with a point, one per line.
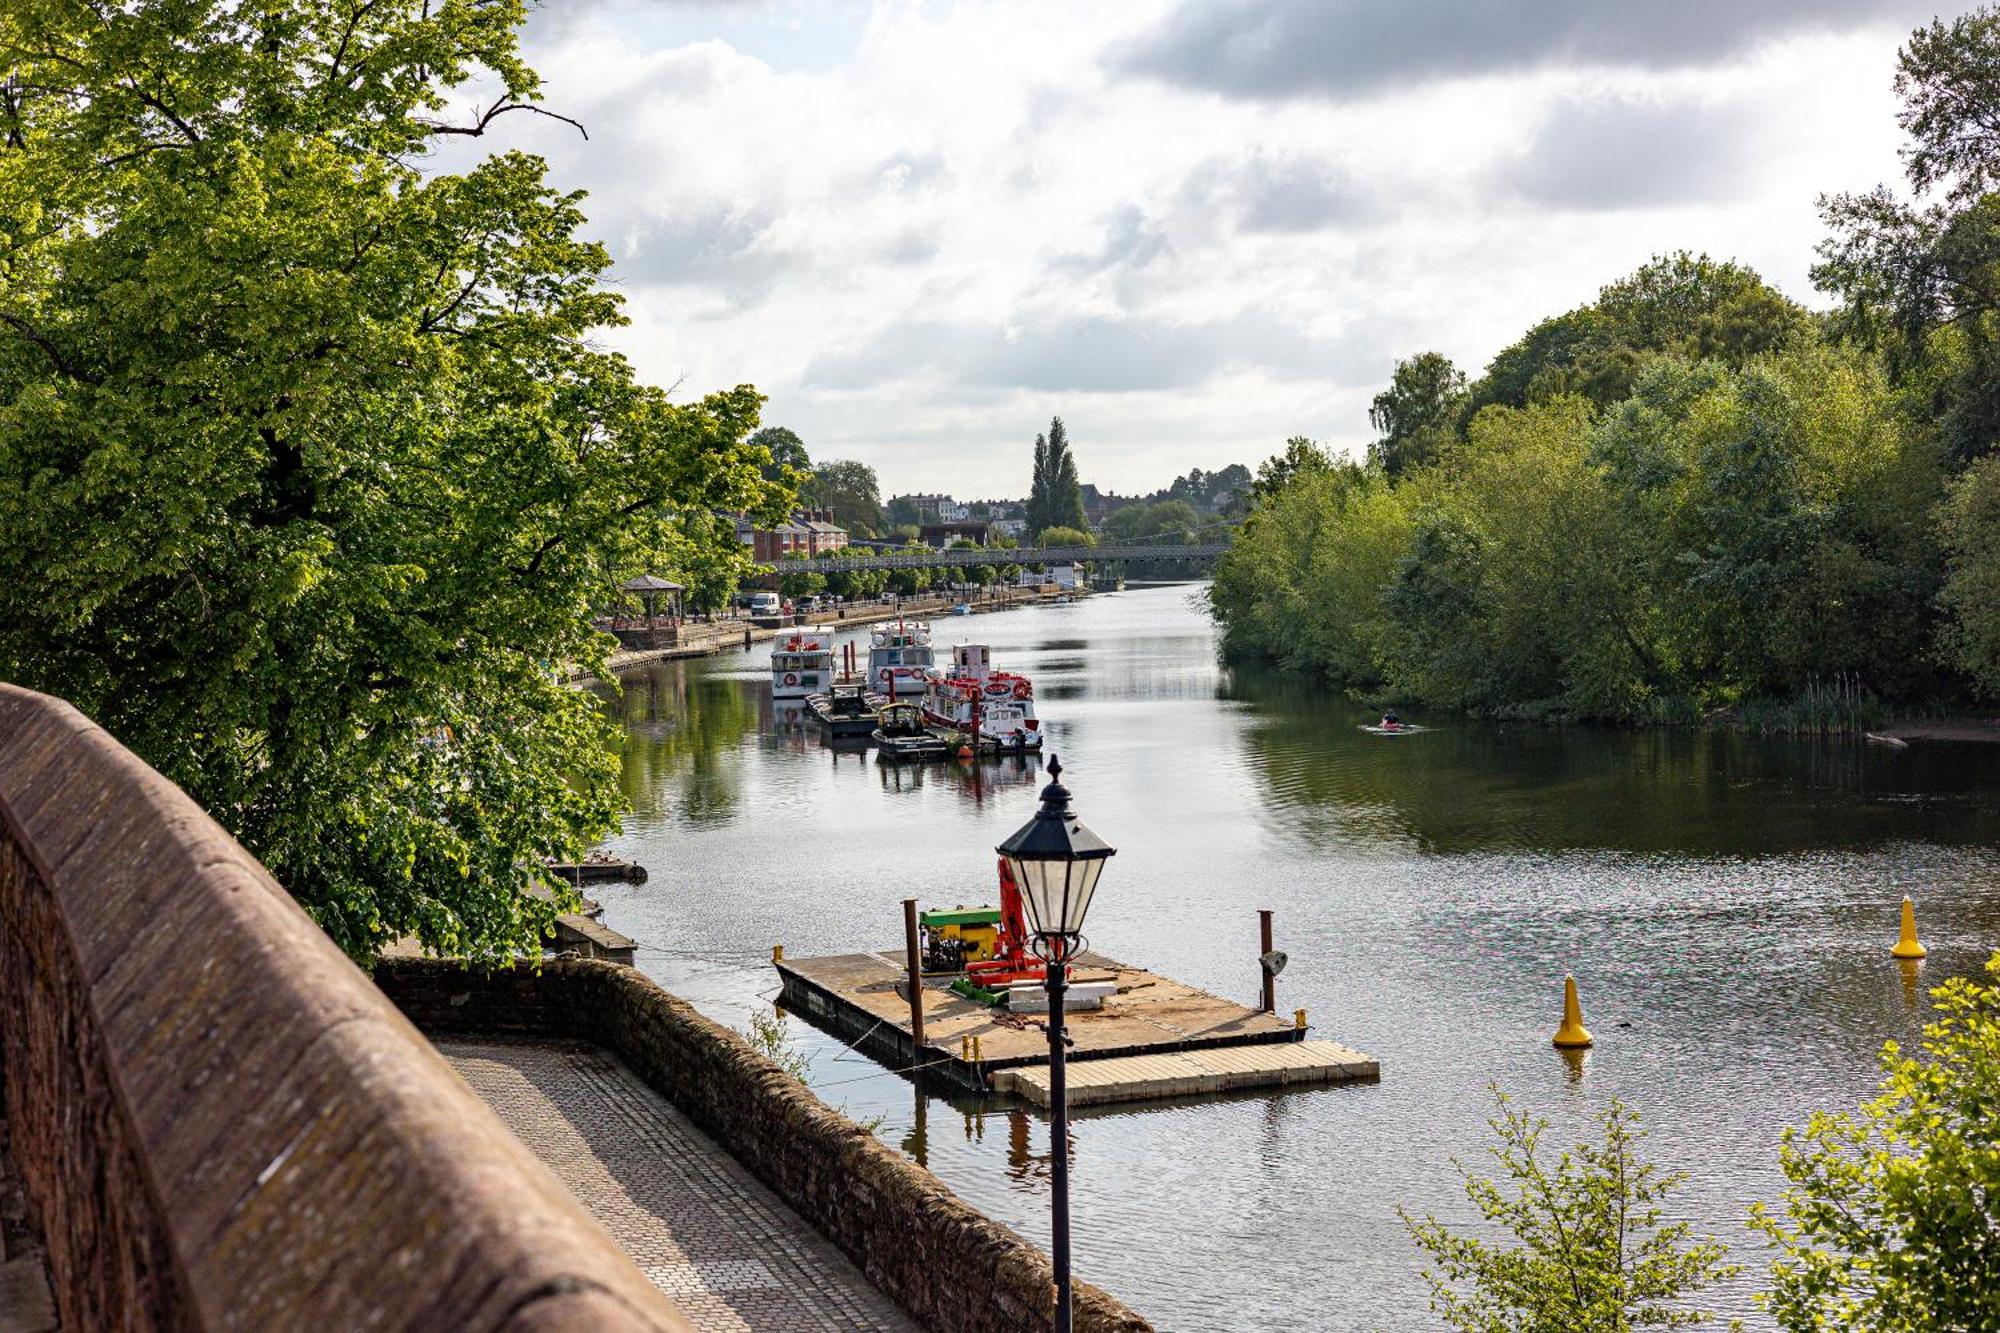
(765, 604)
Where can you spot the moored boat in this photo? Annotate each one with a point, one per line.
(801, 664)
(902, 736)
(900, 660)
(847, 711)
(971, 698)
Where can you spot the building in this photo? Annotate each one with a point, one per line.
(942, 535)
(807, 533)
(1014, 528)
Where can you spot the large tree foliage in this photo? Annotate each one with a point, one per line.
(1921, 278)
(1274, 474)
(1681, 305)
(788, 463)
(1589, 1247)
(1721, 535)
(311, 472)
(851, 491)
(1970, 528)
(1891, 1219)
(1416, 413)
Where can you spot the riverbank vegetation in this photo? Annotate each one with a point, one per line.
(314, 464)
(1692, 495)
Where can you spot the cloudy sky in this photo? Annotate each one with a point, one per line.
(1190, 228)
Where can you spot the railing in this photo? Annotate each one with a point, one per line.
(963, 557)
(218, 1120)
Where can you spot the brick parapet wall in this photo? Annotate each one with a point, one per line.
(219, 1122)
(949, 1265)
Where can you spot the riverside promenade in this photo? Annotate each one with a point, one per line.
(709, 638)
(715, 1240)
(216, 1121)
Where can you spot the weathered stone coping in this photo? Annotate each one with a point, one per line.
(952, 1267)
(219, 1123)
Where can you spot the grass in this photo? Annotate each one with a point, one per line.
(1840, 707)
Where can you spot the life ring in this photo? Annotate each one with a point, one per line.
(997, 687)
(887, 675)
(791, 678)
(1023, 690)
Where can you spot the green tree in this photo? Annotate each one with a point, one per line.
(1065, 490)
(901, 512)
(1922, 280)
(1168, 523)
(1055, 497)
(788, 462)
(1416, 413)
(980, 574)
(910, 582)
(795, 584)
(851, 491)
(1591, 1253)
(313, 466)
(1970, 527)
(1891, 1219)
(1301, 456)
(1039, 488)
(1067, 537)
(859, 583)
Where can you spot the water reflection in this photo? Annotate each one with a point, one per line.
(1468, 785)
(679, 725)
(1725, 903)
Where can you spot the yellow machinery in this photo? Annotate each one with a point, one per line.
(956, 936)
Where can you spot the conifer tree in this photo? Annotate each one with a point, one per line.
(1064, 504)
(1038, 489)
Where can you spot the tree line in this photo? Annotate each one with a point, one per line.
(1692, 494)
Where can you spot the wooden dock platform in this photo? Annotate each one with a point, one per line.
(1135, 1078)
(858, 998)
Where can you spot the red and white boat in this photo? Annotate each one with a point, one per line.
(900, 660)
(1000, 703)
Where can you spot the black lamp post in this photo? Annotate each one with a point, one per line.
(1056, 862)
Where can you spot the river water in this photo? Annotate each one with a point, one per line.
(1725, 903)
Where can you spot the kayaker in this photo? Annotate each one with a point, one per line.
(1390, 722)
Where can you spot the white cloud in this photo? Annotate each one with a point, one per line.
(923, 228)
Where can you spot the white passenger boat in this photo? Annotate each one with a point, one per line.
(900, 660)
(1000, 703)
(801, 664)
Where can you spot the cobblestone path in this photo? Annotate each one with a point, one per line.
(721, 1245)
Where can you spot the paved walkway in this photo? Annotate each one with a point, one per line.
(721, 1245)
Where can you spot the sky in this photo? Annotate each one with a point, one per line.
(1190, 229)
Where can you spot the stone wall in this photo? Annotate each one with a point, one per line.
(952, 1267)
(218, 1122)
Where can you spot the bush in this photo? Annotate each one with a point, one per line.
(1591, 1253)
(1892, 1218)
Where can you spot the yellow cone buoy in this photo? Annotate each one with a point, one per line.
(1572, 1035)
(1906, 942)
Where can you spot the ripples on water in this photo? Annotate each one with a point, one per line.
(1726, 905)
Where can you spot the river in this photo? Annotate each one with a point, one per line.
(1726, 904)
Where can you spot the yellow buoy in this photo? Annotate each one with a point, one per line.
(1906, 942)
(1572, 1035)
